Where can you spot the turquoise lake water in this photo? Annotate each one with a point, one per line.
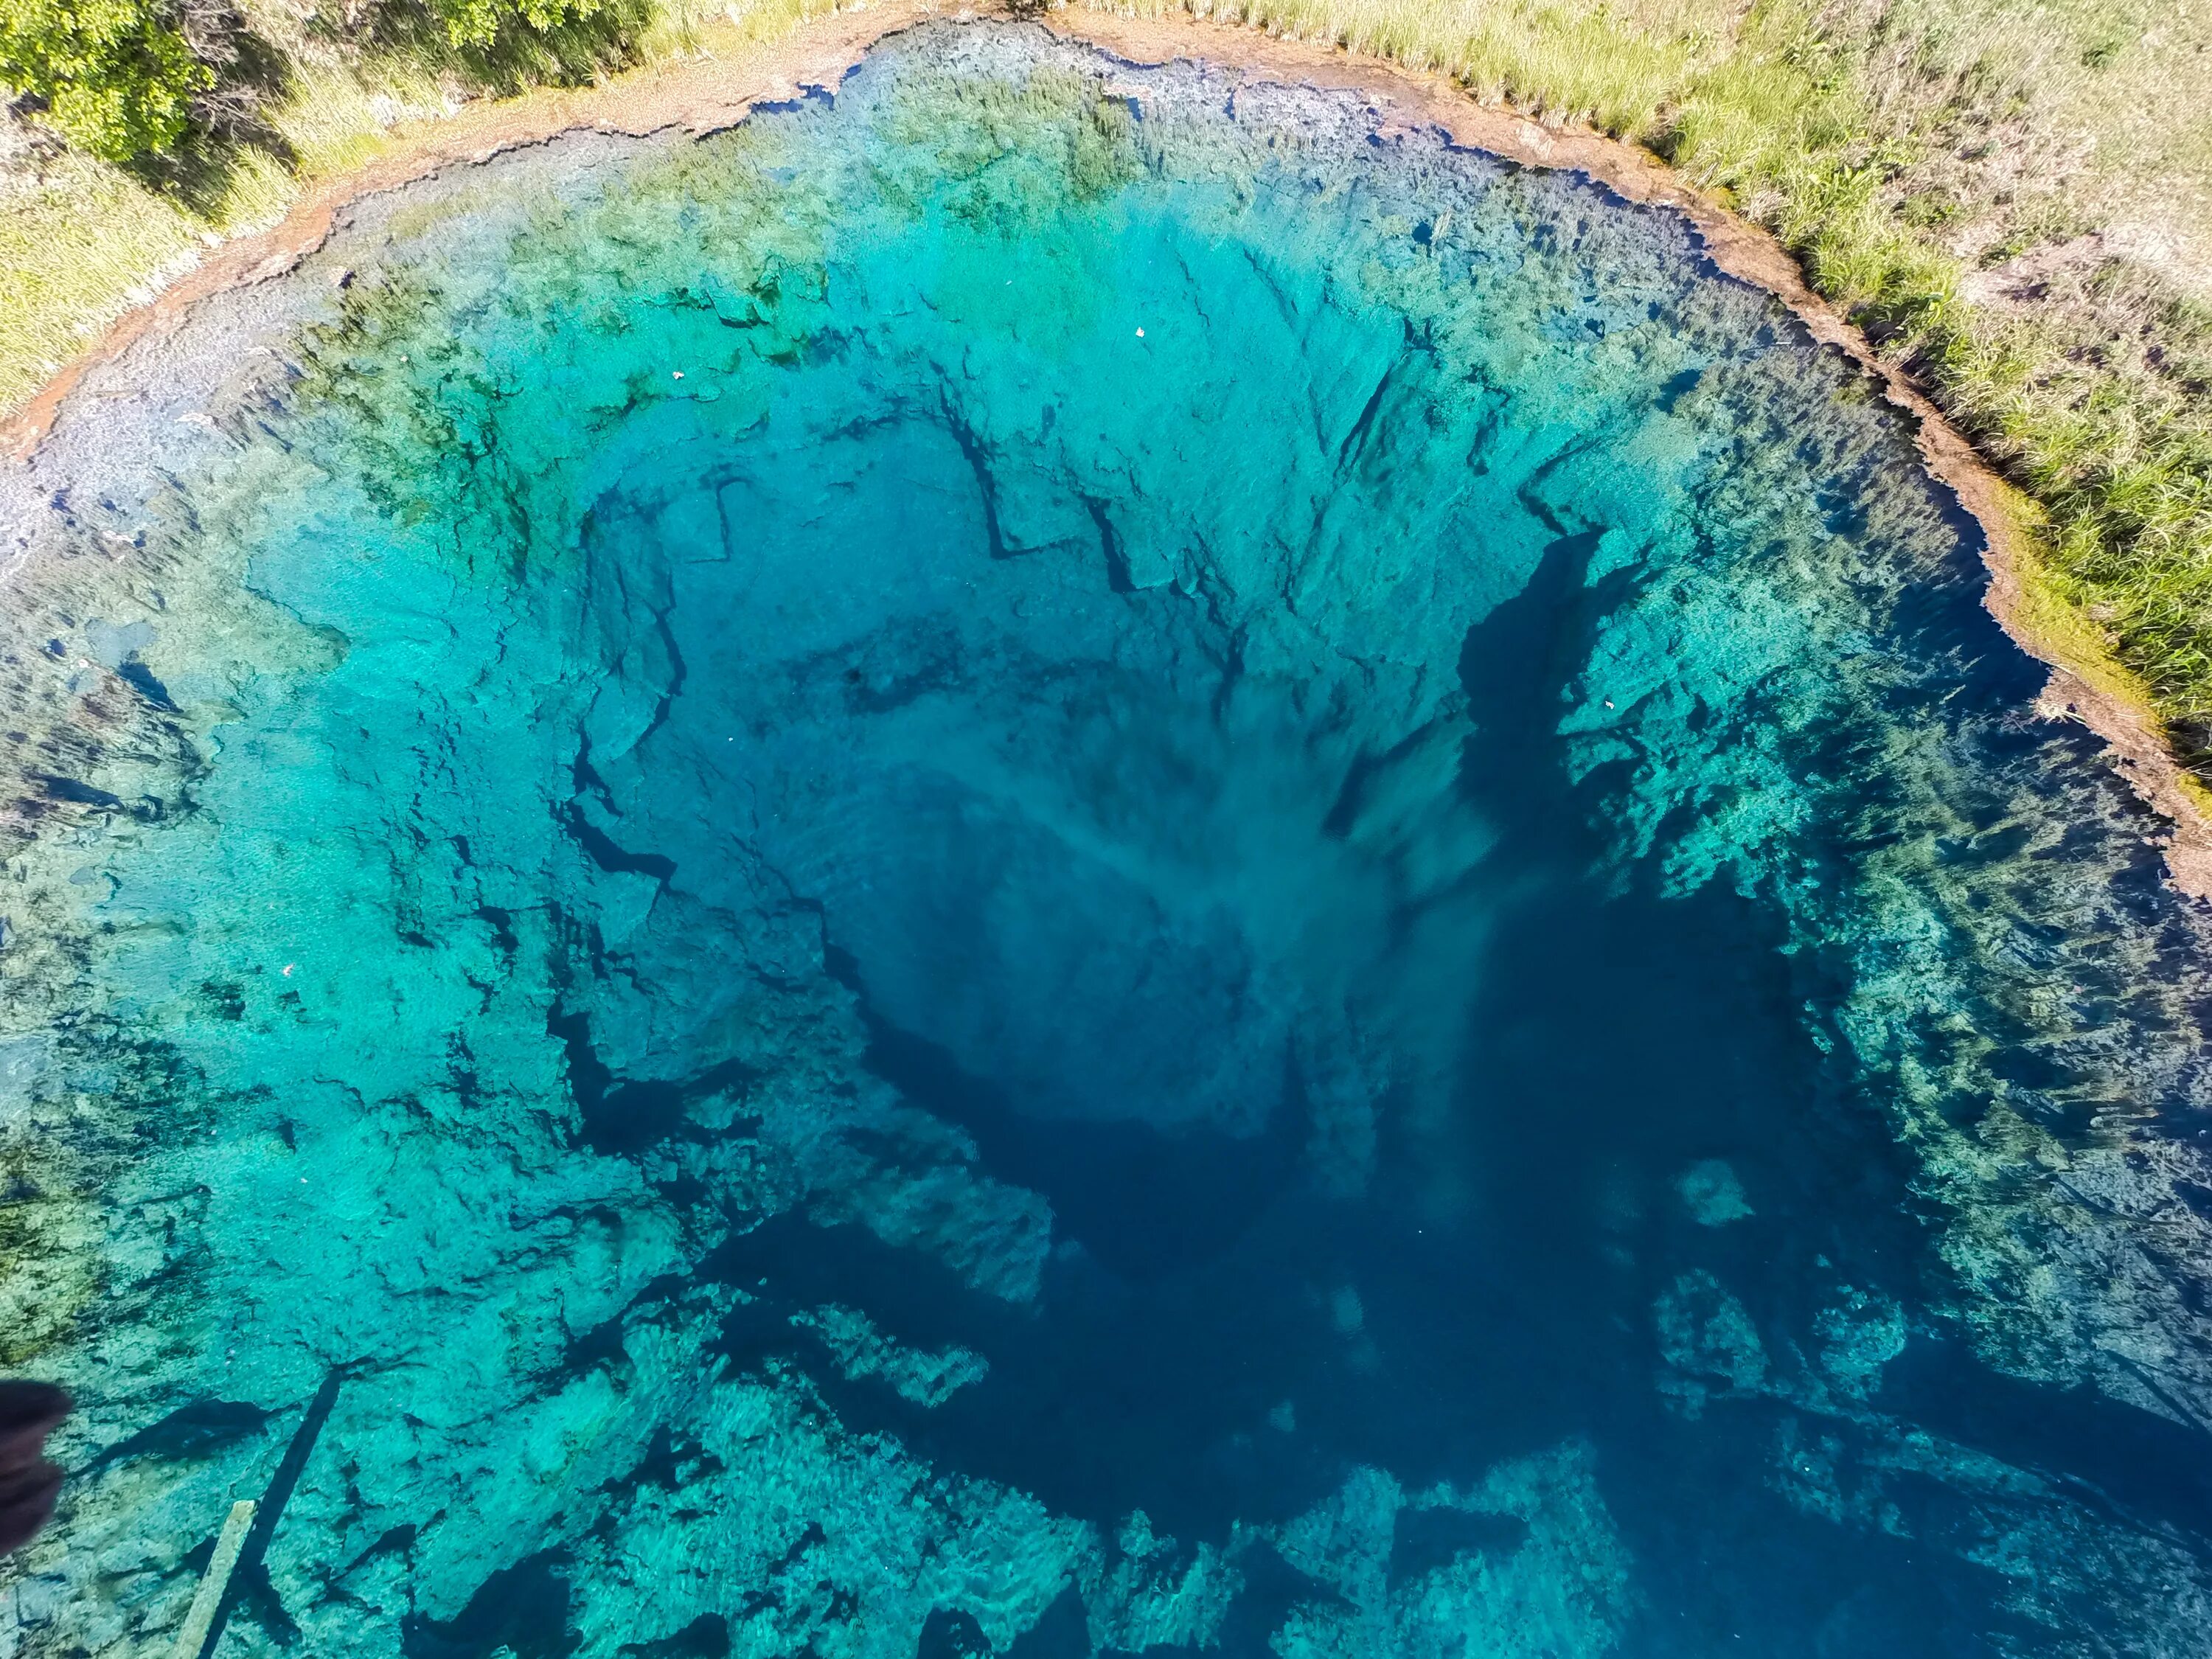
(1066, 859)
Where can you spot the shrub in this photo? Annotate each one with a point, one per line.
(116, 78)
(481, 23)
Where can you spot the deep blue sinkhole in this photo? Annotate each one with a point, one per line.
(1067, 859)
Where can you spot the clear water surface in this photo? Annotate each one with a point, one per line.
(1062, 859)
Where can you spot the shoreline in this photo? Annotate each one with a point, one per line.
(706, 94)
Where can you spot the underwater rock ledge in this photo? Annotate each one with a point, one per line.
(1070, 856)
(705, 97)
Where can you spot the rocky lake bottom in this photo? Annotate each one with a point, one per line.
(1063, 859)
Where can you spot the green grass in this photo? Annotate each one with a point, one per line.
(82, 241)
(2014, 197)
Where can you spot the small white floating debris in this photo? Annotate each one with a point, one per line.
(677, 373)
(1141, 334)
(198, 1622)
(287, 968)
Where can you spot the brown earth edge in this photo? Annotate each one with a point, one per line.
(706, 94)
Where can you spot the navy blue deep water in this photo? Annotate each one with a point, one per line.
(1063, 859)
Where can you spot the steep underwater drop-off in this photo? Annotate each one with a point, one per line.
(1063, 859)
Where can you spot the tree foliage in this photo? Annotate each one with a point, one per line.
(116, 77)
(480, 24)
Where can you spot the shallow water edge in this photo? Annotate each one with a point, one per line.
(714, 93)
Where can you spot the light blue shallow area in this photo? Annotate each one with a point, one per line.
(1066, 859)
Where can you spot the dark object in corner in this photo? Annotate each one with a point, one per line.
(28, 1483)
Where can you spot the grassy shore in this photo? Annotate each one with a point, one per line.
(2012, 197)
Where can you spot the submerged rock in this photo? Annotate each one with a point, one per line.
(1712, 1195)
(1031, 862)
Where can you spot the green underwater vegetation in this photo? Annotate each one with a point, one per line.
(1066, 859)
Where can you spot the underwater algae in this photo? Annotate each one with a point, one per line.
(1068, 859)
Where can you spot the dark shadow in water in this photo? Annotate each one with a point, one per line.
(707, 1637)
(194, 1430)
(1061, 1633)
(1217, 1340)
(250, 1586)
(522, 1610)
(627, 1116)
(1143, 1204)
(949, 1635)
(2128, 1463)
